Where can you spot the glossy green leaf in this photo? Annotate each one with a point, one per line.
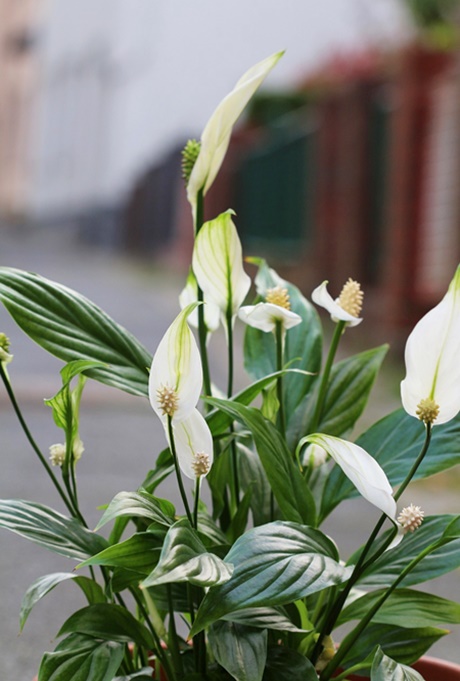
(82, 658)
(140, 552)
(404, 608)
(395, 443)
(386, 669)
(109, 622)
(142, 675)
(184, 558)
(252, 474)
(139, 504)
(403, 645)
(302, 344)
(390, 564)
(288, 665)
(289, 487)
(49, 529)
(71, 327)
(274, 564)
(239, 649)
(44, 585)
(265, 618)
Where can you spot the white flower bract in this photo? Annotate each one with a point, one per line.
(194, 445)
(264, 316)
(323, 298)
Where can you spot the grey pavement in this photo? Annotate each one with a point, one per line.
(121, 434)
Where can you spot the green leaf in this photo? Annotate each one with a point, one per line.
(164, 467)
(404, 645)
(390, 564)
(71, 327)
(404, 608)
(289, 487)
(265, 618)
(386, 669)
(184, 558)
(302, 345)
(50, 529)
(44, 585)
(239, 649)
(81, 658)
(139, 504)
(252, 475)
(141, 553)
(288, 665)
(144, 674)
(109, 622)
(395, 443)
(274, 564)
(240, 519)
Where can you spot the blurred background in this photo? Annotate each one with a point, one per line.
(346, 163)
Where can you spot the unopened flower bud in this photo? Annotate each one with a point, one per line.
(57, 454)
(189, 156)
(410, 518)
(314, 456)
(5, 356)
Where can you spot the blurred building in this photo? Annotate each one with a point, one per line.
(19, 22)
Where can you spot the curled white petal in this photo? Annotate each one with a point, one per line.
(218, 264)
(176, 365)
(361, 469)
(217, 132)
(432, 358)
(264, 316)
(192, 439)
(322, 297)
(188, 295)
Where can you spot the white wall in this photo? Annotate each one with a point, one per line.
(125, 79)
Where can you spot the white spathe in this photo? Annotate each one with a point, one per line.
(323, 298)
(176, 365)
(188, 295)
(432, 358)
(218, 264)
(264, 316)
(361, 469)
(217, 132)
(192, 438)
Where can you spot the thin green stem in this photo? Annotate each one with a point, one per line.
(340, 326)
(173, 642)
(279, 337)
(172, 446)
(236, 480)
(31, 440)
(202, 330)
(161, 655)
(351, 639)
(362, 564)
(196, 502)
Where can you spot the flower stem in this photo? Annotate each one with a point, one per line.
(279, 367)
(196, 502)
(31, 440)
(236, 481)
(340, 326)
(202, 330)
(172, 446)
(362, 564)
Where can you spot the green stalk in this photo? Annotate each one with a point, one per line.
(202, 330)
(362, 564)
(279, 332)
(31, 440)
(358, 630)
(173, 642)
(196, 502)
(160, 653)
(172, 447)
(236, 481)
(340, 326)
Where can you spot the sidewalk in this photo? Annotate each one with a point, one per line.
(121, 434)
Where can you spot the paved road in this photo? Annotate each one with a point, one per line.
(121, 433)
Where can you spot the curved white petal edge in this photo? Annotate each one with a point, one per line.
(188, 295)
(177, 365)
(264, 316)
(323, 298)
(361, 469)
(192, 436)
(432, 358)
(217, 132)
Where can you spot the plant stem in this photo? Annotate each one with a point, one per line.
(362, 564)
(358, 630)
(279, 333)
(161, 655)
(196, 501)
(172, 446)
(202, 330)
(340, 326)
(31, 440)
(173, 642)
(236, 481)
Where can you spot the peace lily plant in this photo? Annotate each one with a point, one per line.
(246, 587)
